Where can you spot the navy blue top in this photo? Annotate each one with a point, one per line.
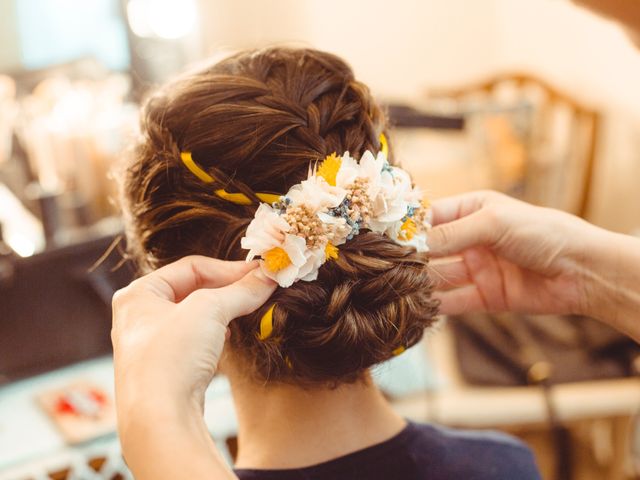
(422, 452)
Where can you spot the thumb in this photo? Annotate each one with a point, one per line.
(234, 300)
(454, 237)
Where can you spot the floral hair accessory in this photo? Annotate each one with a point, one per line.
(297, 234)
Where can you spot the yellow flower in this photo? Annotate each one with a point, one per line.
(330, 252)
(425, 203)
(328, 169)
(384, 145)
(276, 259)
(408, 229)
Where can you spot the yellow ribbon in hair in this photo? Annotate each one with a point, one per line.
(398, 351)
(287, 361)
(266, 324)
(384, 145)
(237, 198)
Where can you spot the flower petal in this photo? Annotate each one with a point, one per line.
(266, 230)
(286, 276)
(316, 194)
(295, 247)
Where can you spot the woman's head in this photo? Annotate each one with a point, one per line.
(255, 122)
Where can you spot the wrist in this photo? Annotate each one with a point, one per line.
(590, 252)
(156, 389)
(145, 413)
(610, 279)
(164, 440)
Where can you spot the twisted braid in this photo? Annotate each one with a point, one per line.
(380, 300)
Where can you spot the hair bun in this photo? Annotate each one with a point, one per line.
(370, 302)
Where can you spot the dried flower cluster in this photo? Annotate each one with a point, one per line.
(303, 230)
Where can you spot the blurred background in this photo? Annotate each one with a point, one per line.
(536, 98)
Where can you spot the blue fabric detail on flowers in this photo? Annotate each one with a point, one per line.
(342, 211)
(281, 205)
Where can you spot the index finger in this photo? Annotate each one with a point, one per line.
(448, 209)
(232, 301)
(177, 280)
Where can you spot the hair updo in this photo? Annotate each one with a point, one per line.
(256, 121)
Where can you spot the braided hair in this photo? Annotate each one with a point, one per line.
(255, 122)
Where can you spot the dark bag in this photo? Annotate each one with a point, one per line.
(512, 350)
(55, 309)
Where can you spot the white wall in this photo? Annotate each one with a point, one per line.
(9, 51)
(578, 51)
(397, 47)
(403, 48)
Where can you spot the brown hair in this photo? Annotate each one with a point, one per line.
(255, 122)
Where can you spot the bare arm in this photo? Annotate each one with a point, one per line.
(613, 282)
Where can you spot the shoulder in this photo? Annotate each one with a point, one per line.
(473, 454)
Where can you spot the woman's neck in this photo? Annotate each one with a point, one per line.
(285, 426)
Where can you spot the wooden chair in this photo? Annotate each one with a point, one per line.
(559, 142)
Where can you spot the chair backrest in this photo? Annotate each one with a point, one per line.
(535, 134)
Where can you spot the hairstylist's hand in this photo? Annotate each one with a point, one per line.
(169, 329)
(512, 256)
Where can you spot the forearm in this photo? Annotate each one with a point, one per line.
(162, 442)
(612, 282)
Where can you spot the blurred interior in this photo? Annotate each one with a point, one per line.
(536, 98)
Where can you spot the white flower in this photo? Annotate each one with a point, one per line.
(286, 258)
(315, 259)
(413, 195)
(266, 230)
(338, 228)
(369, 168)
(302, 263)
(418, 240)
(291, 255)
(316, 194)
(389, 189)
(395, 197)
